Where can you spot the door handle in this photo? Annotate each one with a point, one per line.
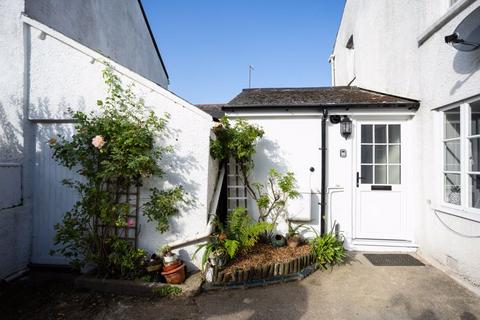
(358, 179)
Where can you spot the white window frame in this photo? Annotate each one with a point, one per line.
(464, 208)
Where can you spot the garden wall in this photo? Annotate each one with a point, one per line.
(61, 74)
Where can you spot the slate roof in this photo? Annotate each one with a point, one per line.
(317, 97)
(215, 110)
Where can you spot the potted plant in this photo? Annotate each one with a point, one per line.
(173, 268)
(293, 236)
(454, 195)
(170, 259)
(154, 264)
(215, 250)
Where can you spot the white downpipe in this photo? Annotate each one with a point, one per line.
(211, 216)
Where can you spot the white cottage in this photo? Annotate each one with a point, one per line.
(52, 53)
(407, 176)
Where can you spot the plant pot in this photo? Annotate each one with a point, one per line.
(154, 267)
(278, 240)
(170, 266)
(175, 276)
(170, 258)
(293, 242)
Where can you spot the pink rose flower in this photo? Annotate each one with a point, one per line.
(98, 142)
(131, 222)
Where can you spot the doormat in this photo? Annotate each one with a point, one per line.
(393, 260)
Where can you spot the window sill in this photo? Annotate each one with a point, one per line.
(469, 214)
(440, 23)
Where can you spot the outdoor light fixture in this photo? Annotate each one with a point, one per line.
(345, 127)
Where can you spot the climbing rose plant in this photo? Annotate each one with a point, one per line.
(113, 151)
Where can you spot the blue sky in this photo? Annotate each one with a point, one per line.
(208, 45)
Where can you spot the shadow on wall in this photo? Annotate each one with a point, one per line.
(268, 156)
(177, 169)
(465, 63)
(11, 135)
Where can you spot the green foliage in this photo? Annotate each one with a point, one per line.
(236, 141)
(328, 249)
(113, 150)
(239, 235)
(272, 197)
(293, 231)
(242, 228)
(163, 205)
(124, 261)
(167, 290)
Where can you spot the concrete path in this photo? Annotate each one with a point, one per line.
(357, 290)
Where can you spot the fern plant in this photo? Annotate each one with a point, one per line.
(239, 234)
(242, 228)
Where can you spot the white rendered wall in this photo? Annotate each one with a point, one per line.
(290, 143)
(15, 220)
(64, 74)
(390, 59)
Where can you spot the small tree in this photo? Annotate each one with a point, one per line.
(272, 196)
(238, 142)
(112, 150)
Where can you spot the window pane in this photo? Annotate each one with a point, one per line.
(475, 117)
(394, 154)
(475, 187)
(366, 174)
(367, 154)
(380, 154)
(367, 136)
(380, 133)
(475, 154)
(394, 174)
(452, 188)
(394, 133)
(452, 156)
(381, 174)
(452, 123)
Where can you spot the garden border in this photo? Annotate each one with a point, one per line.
(295, 269)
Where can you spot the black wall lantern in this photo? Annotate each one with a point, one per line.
(345, 127)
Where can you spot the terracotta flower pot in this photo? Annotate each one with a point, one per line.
(170, 266)
(293, 242)
(175, 276)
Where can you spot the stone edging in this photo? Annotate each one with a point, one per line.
(190, 287)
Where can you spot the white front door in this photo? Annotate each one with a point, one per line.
(380, 212)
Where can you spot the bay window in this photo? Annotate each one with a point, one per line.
(461, 155)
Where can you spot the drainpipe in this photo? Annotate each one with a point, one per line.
(323, 210)
(210, 224)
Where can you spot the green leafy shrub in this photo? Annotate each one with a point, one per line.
(242, 228)
(328, 249)
(239, 235)
(113, 150)
(272, 197)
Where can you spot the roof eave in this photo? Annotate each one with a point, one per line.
(407, 105)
